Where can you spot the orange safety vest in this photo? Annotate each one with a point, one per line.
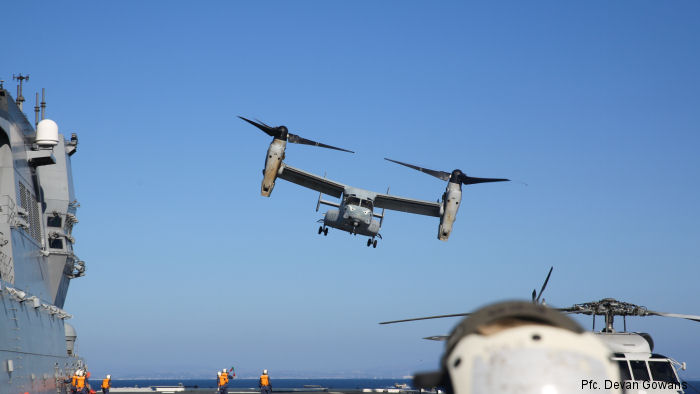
(80, 382)
(223, 379)
(264, 380)
(105, 383)
(73, 379)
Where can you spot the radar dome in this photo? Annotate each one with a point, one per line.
(47, 133)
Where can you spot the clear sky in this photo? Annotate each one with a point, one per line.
(594, 104)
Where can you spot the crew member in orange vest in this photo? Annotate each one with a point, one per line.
(222, 379)
(81, 383)
(264, 383)
(106, 384)
(72, 380)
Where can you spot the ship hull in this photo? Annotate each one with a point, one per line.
(33, 354)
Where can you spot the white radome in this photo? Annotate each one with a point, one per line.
(47, 133)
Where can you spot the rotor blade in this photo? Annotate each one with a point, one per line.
(267, 129)
(544, 285)
(573, 309)
(295, 139)
(425, 318)
(437, 338)
(445, 176)
(677, 315)
(470, 180)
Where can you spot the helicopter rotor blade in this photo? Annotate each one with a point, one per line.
(445, 176)
(676, 315)
(271, 131)
(437, 338)
(425, 318)
(295, 139)
(544, 285)
(572, 309)
(470, 180)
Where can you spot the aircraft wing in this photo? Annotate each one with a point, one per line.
(311, 181)
(409, 205)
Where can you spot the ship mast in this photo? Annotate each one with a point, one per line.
(21, 78)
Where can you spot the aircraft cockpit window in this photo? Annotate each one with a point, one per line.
(53, 221)
(662, 371)
(366, 204)
(352, 201)
(639, 370)
(624, 370)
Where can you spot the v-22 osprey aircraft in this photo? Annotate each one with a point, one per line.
(355, 211)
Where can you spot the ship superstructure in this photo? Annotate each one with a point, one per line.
(37, 261)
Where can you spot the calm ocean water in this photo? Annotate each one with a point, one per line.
(253, 383)
(286, 383)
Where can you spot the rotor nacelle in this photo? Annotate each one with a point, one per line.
(448, 211)
(453, 193)
(275, 153)
(273, 163)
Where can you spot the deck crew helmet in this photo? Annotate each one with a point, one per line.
(264, 371)
(521, 347)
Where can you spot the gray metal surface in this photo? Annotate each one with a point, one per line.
(36, 260)
(355, 211)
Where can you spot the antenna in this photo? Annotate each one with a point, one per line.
(36, 111)
(2, 82)
(43, 102)
(21, 78)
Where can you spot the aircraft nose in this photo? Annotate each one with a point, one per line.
(357, 215)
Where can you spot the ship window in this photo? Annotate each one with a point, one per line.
(366, 204)
(662, 371)
(55, 243)
(639, 370)
(53, 221)
(624, 370)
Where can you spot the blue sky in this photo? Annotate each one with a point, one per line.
(594, 105)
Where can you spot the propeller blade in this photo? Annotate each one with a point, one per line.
(470, 180)
(677, 315)
(425, 318)
(271, 131)
(295, 139)
(445, 176)
(544, 285)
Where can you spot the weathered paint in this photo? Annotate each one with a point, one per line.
(450, 206)
(273, 161)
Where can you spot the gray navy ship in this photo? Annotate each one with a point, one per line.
(37, 262)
